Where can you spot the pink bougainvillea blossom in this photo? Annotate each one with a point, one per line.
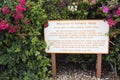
(26, 21)
(16, 22)
(4, 25)
(17, 16)
(19, 8)
(118, 12)
(105, 9)
(111, 22)
(12, 29)
(22, 2)
(5, 10)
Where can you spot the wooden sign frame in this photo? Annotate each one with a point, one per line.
(98, 61)
(98, 65)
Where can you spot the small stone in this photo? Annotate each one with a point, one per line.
(93, 78)
(107, 78)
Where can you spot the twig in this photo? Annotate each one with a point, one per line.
(112, 43)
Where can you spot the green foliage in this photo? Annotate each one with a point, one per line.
(83, 9)
(114, 57)
(62, 10)
(22, 53)
(85, 61)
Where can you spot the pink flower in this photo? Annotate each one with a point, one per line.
(111, 22)
(105, 9)
(22, 2)
(19, 8)
(5, 10)
(118, 12)
(17, 16)
(26, 21)
(12, 29)
(4, 25)
(16, 22)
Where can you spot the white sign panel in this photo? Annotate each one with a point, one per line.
(77, 36)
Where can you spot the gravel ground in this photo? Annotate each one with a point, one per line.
(70, 72)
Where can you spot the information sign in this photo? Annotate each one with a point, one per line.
(77, 36)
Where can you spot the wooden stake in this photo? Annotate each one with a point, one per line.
(53, 56)
(98, 66)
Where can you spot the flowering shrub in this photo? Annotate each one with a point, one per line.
(21, 28)
(22, 54)
(17, 15)
(90, 9)
(111, 11)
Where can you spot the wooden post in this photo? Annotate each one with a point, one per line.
(53, 56)
(99, 66)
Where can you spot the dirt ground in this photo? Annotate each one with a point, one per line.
(71, 72)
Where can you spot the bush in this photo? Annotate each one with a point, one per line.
(21, 44)
(90, 9)
(22, 54)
